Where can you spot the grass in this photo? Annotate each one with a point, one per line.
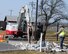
(30, 52)
(22, 52)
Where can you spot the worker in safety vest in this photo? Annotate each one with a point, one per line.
(61, 34)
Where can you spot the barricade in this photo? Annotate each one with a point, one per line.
(2, 36)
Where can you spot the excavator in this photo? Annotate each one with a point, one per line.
(19, 28)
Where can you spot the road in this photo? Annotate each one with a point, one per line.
(14, 42)
(4, 46)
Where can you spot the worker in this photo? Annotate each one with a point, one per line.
(30, 33)
(61, 34)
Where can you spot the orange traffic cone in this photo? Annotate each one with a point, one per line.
(2, 34)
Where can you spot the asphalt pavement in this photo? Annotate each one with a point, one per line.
(4, 46)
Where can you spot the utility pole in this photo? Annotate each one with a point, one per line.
(36, 17)
(11, 12)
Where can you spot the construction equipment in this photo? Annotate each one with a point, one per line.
(21, 27)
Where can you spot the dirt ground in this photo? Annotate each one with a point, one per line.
(31, 52)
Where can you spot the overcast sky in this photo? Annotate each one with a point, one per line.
(15, 5)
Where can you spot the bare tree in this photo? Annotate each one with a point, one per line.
(51, 9)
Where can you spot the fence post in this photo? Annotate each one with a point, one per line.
(41, 42)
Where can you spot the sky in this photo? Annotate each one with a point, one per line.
(15, 6)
